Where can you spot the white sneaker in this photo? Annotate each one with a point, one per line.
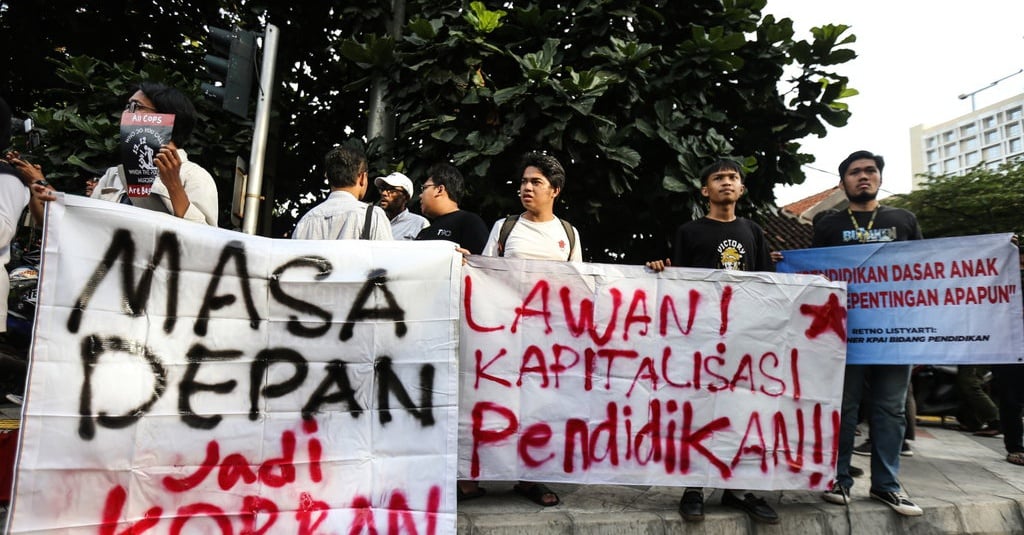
(899, 503)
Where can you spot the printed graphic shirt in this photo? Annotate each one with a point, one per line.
(707, 243)
(890, 224)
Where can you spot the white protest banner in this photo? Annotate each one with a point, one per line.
(188, 379)
(938, 301)
(594, 373)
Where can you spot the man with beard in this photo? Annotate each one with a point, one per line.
(395, 192)
(866, 221)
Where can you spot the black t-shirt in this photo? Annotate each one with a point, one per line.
(890, 224)
(462, 227)
(706, 243)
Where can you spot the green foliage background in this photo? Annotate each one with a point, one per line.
(981, 201)
(634, 97)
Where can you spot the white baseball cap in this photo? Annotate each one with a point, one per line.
(395, 180)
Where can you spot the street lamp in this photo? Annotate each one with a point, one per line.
(976, 91)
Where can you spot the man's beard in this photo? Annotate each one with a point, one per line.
(863, 196)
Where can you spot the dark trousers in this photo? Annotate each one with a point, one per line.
(1008, 381)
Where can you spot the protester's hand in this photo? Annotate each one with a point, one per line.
(90, 185)
(464, 252)
(28, 172)
(776, 256)
(169, 164)
(658, 266)
(43, 191)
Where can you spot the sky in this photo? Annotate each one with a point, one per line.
(915, 57)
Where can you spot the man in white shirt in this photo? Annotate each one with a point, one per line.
(535, 234)
(13, 198)
(343, 216)
(395, 192)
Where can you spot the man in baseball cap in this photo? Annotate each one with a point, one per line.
(395, 192)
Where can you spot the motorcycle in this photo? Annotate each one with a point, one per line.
(935, 391)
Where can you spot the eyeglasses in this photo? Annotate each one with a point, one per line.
(135, 106)
(425, 187)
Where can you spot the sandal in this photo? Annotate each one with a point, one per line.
(465, 496)
(990, 429)
(536, 493)
(1016, 458)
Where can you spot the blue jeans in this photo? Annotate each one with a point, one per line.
(887, 385)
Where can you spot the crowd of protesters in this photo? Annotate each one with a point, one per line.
(879, 392)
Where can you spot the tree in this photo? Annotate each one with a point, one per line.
(633, 96)
(981, 201)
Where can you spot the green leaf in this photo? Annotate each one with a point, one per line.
(482, 19)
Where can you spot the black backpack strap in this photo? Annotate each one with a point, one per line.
(506, 229)
(571, 235)
(367, 222)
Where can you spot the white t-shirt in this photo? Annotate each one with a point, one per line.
(535, 241)
(13, 198)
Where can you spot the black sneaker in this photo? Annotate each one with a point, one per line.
(864, 448)
(838, 494)
(757, 508)
(855, 472)
(899, 503)
(905, 450)
(691, 505)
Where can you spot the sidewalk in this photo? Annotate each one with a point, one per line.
(962, 482)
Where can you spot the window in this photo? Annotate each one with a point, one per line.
(972, 158)
(951, 149)
(933, 168)
(991, 137)
(950, 165)
(993, 153)
(1013, 130)
(989, 122)
(1016, 145)
(931, 142)
(968, 130)
(1013, 114)
(947, 136)
(970, 143)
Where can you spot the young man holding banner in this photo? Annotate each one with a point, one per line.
(535, 234)
(866, 221)
(721, 240)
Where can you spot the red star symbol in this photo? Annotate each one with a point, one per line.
(831, 315)
(561, 244)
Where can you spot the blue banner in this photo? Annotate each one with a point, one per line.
(940, 301)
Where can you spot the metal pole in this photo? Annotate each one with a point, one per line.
(976, 91)
(259, 131)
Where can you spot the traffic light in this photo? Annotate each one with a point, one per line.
(232, 68)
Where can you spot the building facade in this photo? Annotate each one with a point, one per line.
(989, 136)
